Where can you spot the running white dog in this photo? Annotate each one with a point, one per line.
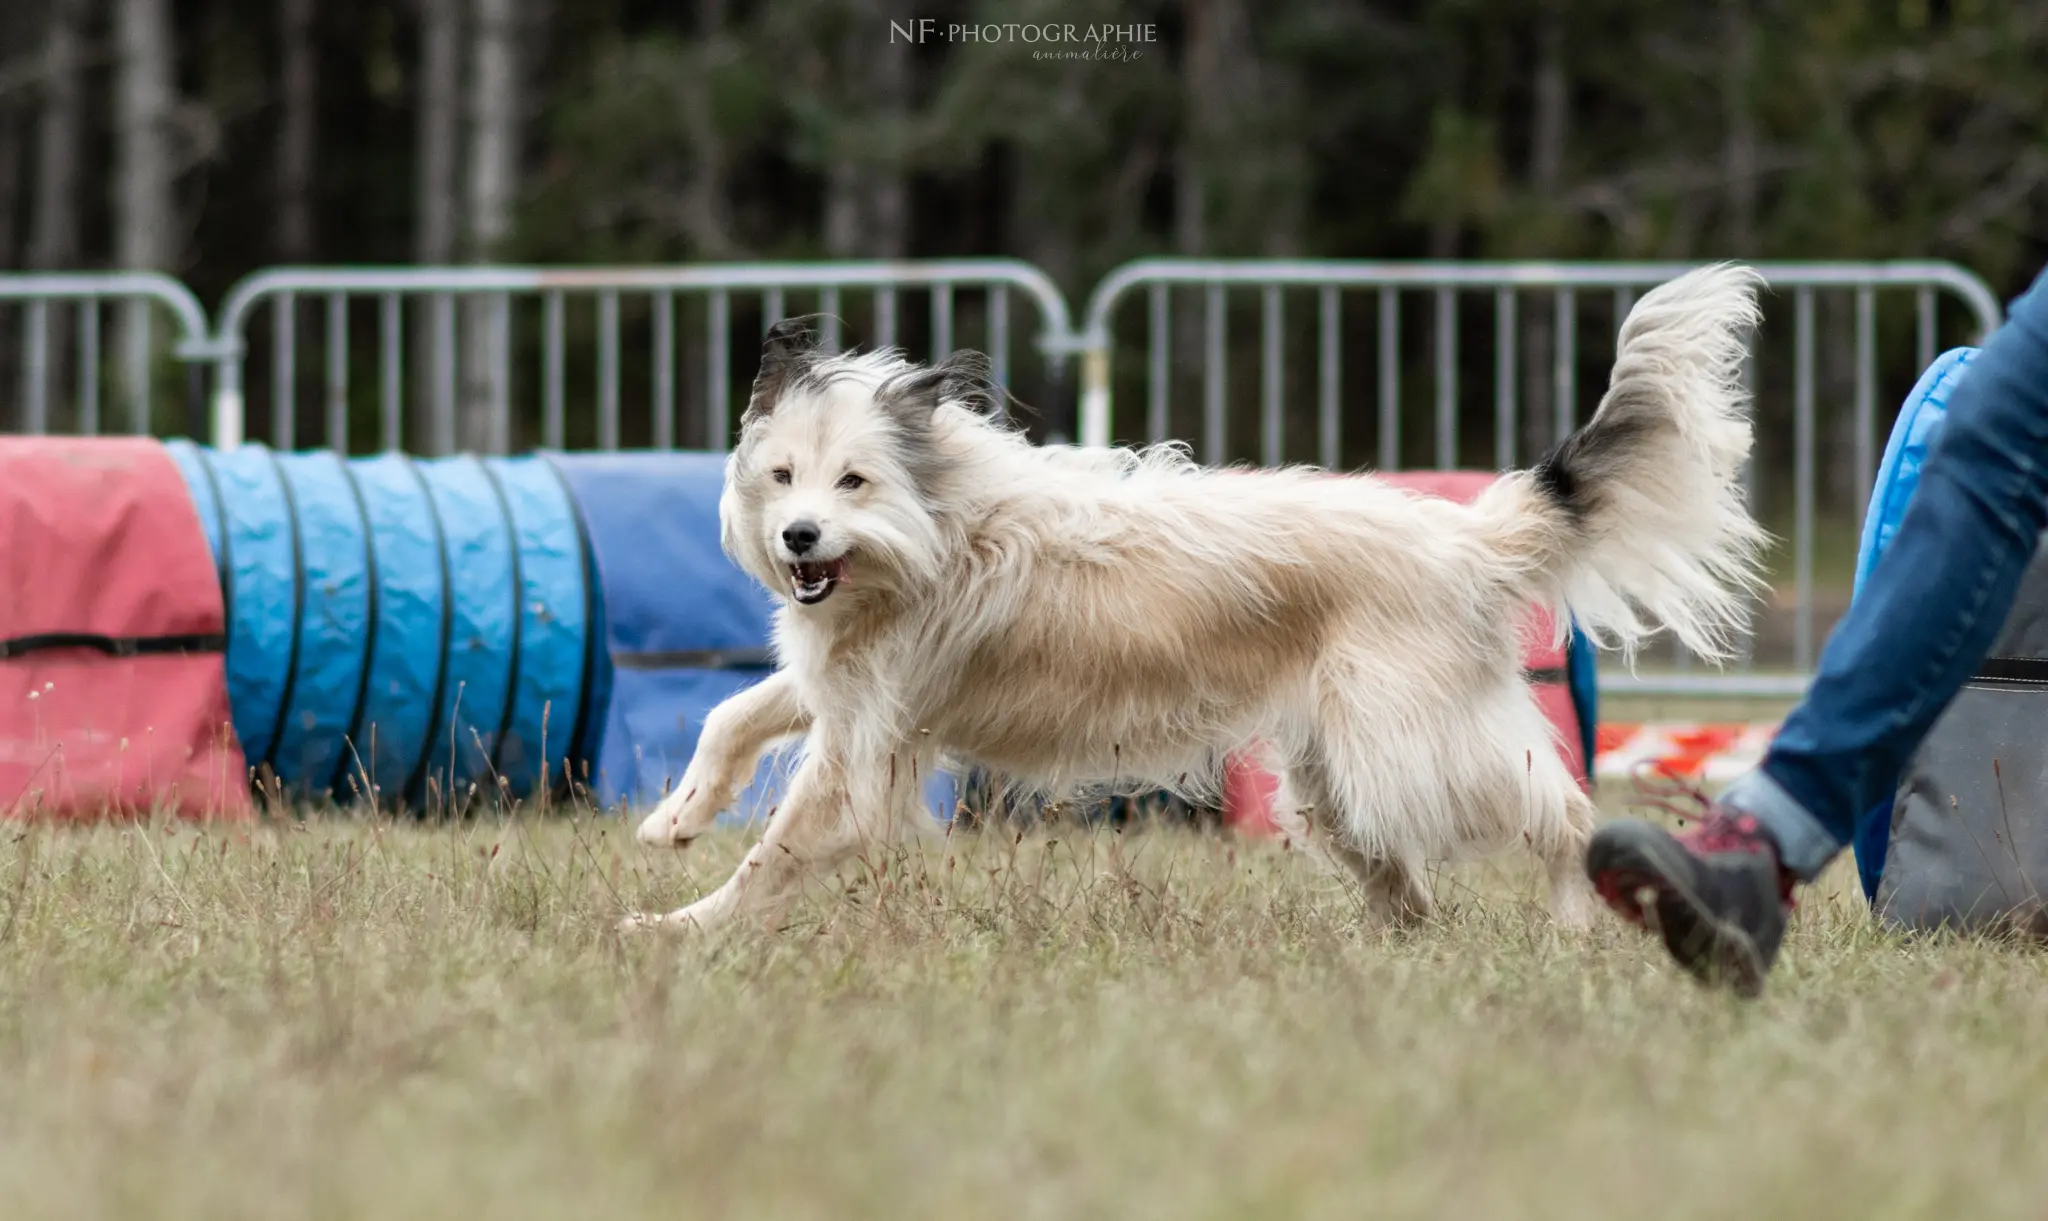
(1121, 618)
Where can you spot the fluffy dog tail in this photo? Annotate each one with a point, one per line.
(1637, 521)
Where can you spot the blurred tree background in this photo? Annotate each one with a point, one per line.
(211, 137)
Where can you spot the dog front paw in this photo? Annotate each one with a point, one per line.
(662, 830)
(681, 817)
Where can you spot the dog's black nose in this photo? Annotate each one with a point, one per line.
(800, 536)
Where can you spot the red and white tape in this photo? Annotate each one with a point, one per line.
(1706, 754)
(1712, 753)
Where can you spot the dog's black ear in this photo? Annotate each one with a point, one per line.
(790, 347)
(965, 378)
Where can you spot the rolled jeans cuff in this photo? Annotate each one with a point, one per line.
(1805, 846)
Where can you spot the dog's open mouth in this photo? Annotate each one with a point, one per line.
(812, 583)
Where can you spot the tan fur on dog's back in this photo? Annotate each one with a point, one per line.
(1188, 606)
(1126, 618)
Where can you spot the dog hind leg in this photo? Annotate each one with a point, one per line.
(1395, 891)
(1563, 852)
(1532, 797)
(1519, 793)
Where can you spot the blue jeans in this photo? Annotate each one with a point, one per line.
(1931, 609)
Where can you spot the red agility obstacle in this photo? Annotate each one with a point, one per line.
(113, 702)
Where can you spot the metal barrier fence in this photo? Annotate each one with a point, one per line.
(1312, 366)
(1540, 324)
(49, 331)
(469, 378)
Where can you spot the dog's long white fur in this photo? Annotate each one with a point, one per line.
(1126, 618)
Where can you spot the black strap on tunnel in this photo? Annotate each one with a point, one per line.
(518, 616)
(115, 646)
(1547, 674)
(697, 659)
(291, 673)
(417, 776)
(370, 578)
(224, 562)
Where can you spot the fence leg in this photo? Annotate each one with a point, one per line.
(195, 400)
(1095, 397)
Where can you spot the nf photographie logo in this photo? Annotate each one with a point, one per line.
(1047, 40)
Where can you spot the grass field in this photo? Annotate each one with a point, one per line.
(360, 1019)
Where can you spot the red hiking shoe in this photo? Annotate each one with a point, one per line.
(1716, 892)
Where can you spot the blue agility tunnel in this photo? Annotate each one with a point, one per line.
(399, 626)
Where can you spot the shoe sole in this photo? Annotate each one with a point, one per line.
(1623, 866)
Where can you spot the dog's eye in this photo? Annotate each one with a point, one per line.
(781, 474)
(851, 482)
